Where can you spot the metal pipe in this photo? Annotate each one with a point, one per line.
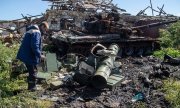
(103, 72)
(152, 8)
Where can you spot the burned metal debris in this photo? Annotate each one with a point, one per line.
(84, 65)
(77, 26)
(140, 86)
(76, 87)
(171, 60)
(100, 71)
(12, 31)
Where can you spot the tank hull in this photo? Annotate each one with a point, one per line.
(132, 46)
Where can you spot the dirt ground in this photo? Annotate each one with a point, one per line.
(143, 75)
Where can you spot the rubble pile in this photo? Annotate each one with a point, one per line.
(141, 87)
(75, 27)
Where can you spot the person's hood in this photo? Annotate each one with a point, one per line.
(35, 27)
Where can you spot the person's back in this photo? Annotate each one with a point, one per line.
(30, 51)
(29, 48)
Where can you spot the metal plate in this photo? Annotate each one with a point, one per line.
(114, 80)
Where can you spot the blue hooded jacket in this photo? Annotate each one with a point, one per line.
(30, 49)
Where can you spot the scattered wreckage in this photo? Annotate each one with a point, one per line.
(12, 31)
(77, 27)
(141, 85)
(171, 60)
(87, 49)
(82, 32)
(101, 69)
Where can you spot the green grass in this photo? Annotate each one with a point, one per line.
(13, 91)
(171, 87)
(139, 105)
(24, 100)
(170, 51)
(172, 91)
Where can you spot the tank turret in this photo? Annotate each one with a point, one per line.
(78, 25)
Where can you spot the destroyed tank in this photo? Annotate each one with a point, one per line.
(79, 25)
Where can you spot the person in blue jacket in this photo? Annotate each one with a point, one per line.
(30, 51)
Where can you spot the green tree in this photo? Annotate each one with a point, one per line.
(170, 37)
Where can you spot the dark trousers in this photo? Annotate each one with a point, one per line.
(32, 70)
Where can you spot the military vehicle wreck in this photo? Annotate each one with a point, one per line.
(83, 34)
(79, 25)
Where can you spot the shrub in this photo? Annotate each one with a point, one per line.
(172, 91)
(7, 54)
(170, 37)
(10, 96)
(170, 51)
(7, 86)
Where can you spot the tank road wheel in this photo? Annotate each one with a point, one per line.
(148, 51)
(120, 53)
(129, 51)
(139, 51)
